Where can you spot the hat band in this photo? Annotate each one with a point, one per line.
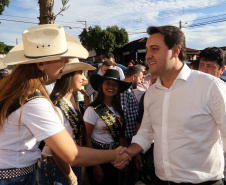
(46, 55)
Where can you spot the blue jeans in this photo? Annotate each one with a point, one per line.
(29, 179)
(49, 173)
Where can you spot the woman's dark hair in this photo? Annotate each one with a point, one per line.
(62, 87)
(116, 103)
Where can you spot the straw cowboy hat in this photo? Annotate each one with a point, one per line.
(110, 74)
(45, 43)
(74, 65)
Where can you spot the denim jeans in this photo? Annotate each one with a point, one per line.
(49, 174)
(29, 179)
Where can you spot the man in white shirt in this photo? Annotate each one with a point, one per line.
(183, 113)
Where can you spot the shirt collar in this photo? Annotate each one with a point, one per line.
(183, 75)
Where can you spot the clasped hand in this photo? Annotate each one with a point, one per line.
(122, 158)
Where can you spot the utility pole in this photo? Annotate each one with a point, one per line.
(180, 24)
(84, 24)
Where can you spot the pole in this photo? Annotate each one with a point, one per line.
(180, 24)
(85, 24)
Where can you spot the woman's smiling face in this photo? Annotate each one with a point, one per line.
(110, 87)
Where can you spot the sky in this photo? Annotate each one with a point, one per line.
(203, 21)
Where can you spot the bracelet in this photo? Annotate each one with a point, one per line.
(73, 182)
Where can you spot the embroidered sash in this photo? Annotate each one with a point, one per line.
(113, 123)
(73, 119)
(16, 105)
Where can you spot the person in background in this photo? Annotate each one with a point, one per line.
(141, 88)
(51, 169)
(81, 94)
(89, 90)
(145, 162)
(130, 109)
(105, 124)
(212, 61)
(3, 73)
(194, 65)
(130, 64)
(110, 57)
(28, 116)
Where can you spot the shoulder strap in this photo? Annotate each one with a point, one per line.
(16, 105)
(74, 120)
(113, 123)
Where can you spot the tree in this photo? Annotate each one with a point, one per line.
(46, 11)
(4, 49)
(3, 3)
(102, 41)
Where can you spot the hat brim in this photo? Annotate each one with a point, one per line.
(80, 66)
(96, 80)
(71, 67)
(75, 49)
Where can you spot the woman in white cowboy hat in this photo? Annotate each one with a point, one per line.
(64, 96)
(104, 123)
(27, 115)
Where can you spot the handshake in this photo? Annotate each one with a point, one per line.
(123, 156)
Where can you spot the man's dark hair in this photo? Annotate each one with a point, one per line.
(194, 64)
(108, 63)
(173, 36)
(131, 71)
(108, 55)
(213, 54)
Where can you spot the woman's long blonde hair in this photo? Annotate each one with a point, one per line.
(16, 87)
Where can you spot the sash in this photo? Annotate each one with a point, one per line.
(16, 105)
(74, 120)
(113, 123)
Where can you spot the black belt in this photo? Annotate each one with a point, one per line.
(104, 145)
(187, 183)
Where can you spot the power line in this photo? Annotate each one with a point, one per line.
(205, 23)
(18, 21)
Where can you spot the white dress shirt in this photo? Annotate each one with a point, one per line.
(184, 122)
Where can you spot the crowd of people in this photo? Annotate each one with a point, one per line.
(159, 123)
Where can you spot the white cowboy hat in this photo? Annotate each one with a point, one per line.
(73, 65)
(45, 43)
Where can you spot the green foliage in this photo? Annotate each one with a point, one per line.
(3, 3)
(4, 48)
(103, 41)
